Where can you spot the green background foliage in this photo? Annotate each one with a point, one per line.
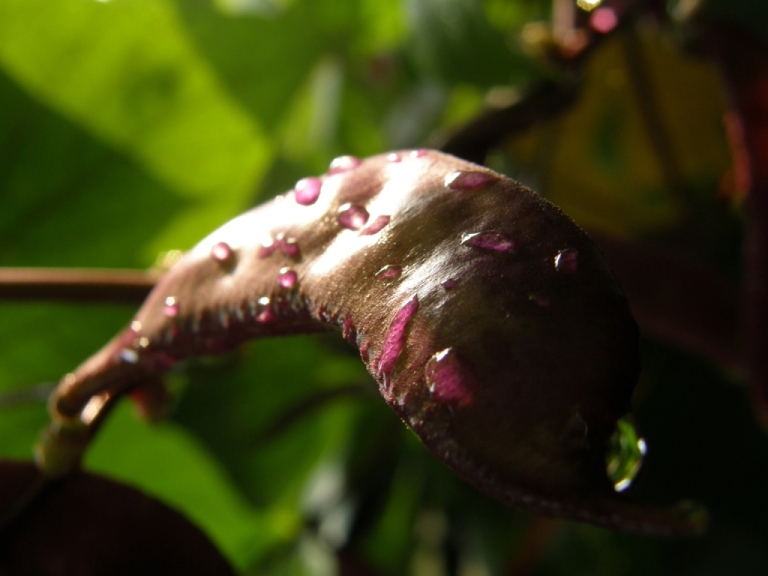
(133, 127)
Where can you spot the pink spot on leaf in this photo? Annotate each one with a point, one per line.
(468, 180)
(492, 241)
(307, 191)
(389, 272)
(375, 226)
(451, 283)
(352, 216)
(394, 342)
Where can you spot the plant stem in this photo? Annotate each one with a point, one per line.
(744, 62)
(76, 284)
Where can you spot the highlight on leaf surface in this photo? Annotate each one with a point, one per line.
(489, 320)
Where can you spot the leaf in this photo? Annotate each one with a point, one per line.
(90, 525)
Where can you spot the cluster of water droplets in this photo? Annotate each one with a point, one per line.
(287, 245)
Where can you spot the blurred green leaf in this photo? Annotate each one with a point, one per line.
(129, 74)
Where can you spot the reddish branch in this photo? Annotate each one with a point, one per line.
(744, 62)
(76, 285)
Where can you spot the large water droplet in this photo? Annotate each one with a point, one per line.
(307, 191)
(567, 261)
(136, 326)
(493, 241)
(171, 307)
(394, 342)
(418, 153)
(375, 226)
(468, 180)
(626, 451)
(389, 272)
(394, 157)
(448, 379)
(287, 278)
(221, 252)
(343, 164)
(352, 216)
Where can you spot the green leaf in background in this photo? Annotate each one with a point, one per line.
(129, 74)
(165, 462)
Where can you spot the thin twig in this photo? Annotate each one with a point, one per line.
(650, 111)
(76, 284)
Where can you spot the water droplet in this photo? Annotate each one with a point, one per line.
(129, 356)
(393, 157)
(567, 261)
(221, 252)
(389, 272)
(171, 307)
(143, 342)
(626, 451)
(267, 314)
(287, 246)
(375, 226)
(449, 380)
(451, 283)
(307, 191)
(136, 326)
(352, 216)
(394, 342)
(468, 180)
(287, 278)
(418, 153)
(343, 164)
(493, 241)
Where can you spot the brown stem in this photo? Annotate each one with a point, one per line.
(744, 62)
(76, 284)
